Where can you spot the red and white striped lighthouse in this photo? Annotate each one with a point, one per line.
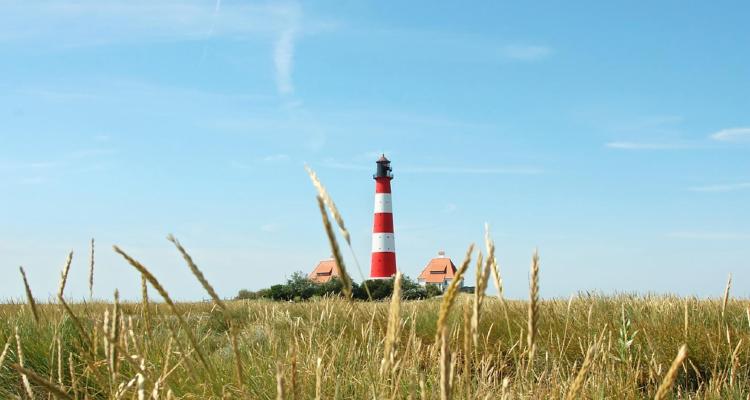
(383, 243)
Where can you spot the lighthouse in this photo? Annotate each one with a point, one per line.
(383, 242)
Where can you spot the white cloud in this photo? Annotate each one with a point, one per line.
(330, 163)
(728, 187)
(276, 158)
(450, 208)
(647, 146)
(699, 235)
(525, 52)
(732, 135)
(283, 57)
(34, 180)
(270, 228)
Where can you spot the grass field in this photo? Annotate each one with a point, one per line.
(457, 346)
(602, 347)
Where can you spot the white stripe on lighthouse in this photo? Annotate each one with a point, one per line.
(383, 203)
(383, 242)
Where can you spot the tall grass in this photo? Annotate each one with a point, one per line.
(587, 346)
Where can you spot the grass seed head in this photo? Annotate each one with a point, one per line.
(450, 294)
(29, 296)
(666, 385)
(64, 274)
(533, 309)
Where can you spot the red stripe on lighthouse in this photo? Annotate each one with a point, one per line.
(383, 223)
(382, 185)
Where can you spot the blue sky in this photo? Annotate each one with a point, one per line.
(613, 136)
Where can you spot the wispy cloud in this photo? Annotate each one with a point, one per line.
(28, 166)
(732, 135)
(450, 208)
(276, 158)
(283, 56)
(727, 187)
(84, 23)
(104, 22)
(330, 163)
(271, 227)
(253, 164)
(648, 146)
(700, 235)
(522, 52)
(34, 180)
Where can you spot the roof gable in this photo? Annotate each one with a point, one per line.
(324, 271)
(438, 270)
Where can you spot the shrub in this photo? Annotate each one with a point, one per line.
(299, 288)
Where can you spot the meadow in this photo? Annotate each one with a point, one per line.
(457, 346)
(585, 347)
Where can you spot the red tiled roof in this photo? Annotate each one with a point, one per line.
(324, 272)
(438, 270)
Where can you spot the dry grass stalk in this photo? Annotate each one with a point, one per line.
(77, 323)
(726, 296)
(29, 296)
(686, 326)
(165, 295)
(24, 377)
(504, 390)
(64, 274)
(73, 378)
(50, 387)
(666, 385)
(237, 357)
(496, 276)
(346, 280)
(580, 379)
(280, 393)
(393, 328)
(4, 353)
(735, 363)
(145, 303)
(294, 369)
(483, 276)
(141, 381)
(114, 359)
(59, 362)
(323, 194)
(198, 274)
(445, 366)
(450, 294)
(319, 379)
(218, 301)
(533, 305)
(91, 271)
(467, 347)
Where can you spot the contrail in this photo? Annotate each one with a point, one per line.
(217, 8)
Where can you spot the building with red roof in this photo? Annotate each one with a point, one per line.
(440, 271)
(325, 271)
